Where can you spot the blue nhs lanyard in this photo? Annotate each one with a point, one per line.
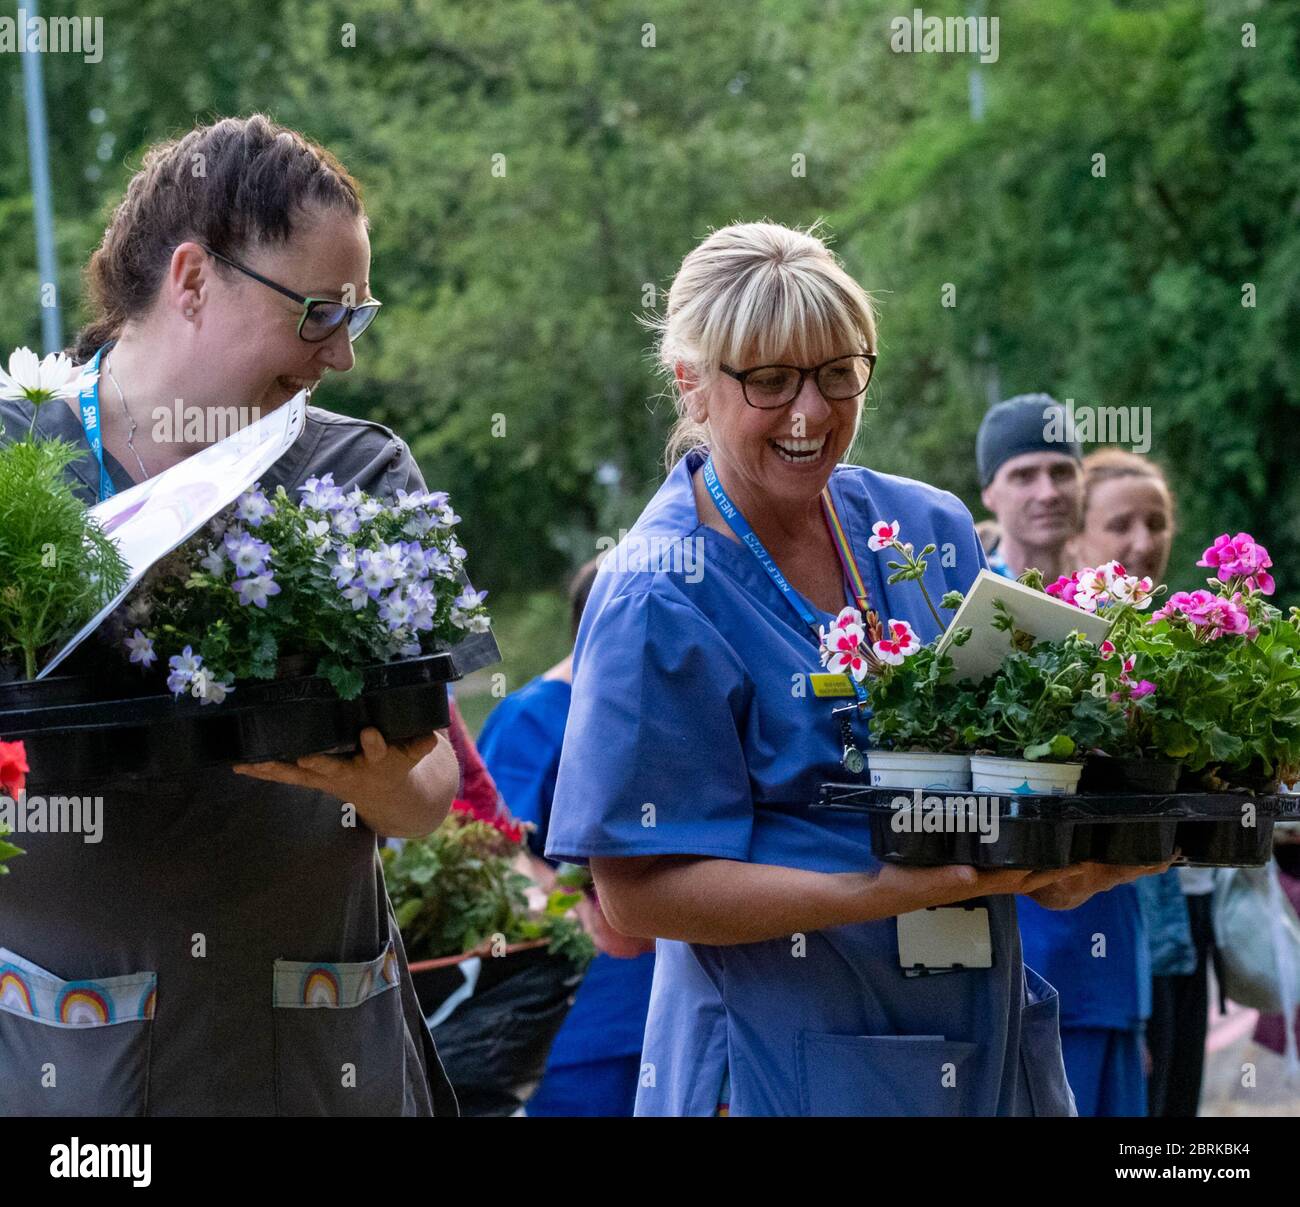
(90, 423)
(748, 537)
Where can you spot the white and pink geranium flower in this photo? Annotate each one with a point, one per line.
(883, 535)
(899, 641)
(842, 651)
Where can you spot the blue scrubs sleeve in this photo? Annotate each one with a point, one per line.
(653, 761)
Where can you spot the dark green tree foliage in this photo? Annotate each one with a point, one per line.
(509, 352)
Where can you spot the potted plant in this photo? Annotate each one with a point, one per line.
(353, 609)
(1039, 713)
(918, 713)
(1131, 760)
(919, 720)
(60, 568)
(1226, 665)
(495, 973)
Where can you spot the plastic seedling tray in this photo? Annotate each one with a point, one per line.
(76, 730)
(1045, 832)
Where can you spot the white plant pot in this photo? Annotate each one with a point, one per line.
(918, 769)
(1018, 777)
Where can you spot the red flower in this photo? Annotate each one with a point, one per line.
(13, 768)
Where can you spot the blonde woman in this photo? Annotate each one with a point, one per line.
(695, 742)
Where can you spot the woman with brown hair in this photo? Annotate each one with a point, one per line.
(234, 272)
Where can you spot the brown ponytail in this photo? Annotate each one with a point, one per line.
(239, 181)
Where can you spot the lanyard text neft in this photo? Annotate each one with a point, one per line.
(740, 526)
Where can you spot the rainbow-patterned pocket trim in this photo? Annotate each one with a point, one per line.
(30, 991)
(334, 986)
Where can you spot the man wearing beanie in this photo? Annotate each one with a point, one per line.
(1031, 481)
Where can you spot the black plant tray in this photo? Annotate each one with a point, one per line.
(1045, 832)
(77, 729)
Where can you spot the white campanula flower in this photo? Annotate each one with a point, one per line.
(247, 553)
(320, 494)
(183, 666)
(396, 611)
(447, 517)
(214, 561)
(375, 571)
(346, 522)
(437, 562)
(207, 689)
(39, 381)
(416, 558)
(367, 509)
(424, 602)
(419, 523)
(458, 551)
(255, 590)
(318, 530)
(357, 596)
(344, 569)
(469, 599)
(141, 648)
(253, 507)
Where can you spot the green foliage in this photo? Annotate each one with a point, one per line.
(917, 705)
(1230, 707)
(453, 890)
(1042, 704)
(59, 568)
(7, 850)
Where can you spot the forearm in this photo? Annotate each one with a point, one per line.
(722, 901)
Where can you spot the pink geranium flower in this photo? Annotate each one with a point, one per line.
(1240, 556)
(900, 640)
(1064, 588)
(1106, 650)
(1212, 613)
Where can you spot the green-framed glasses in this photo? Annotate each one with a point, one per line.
(321, 317)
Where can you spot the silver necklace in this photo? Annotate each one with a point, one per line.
(130, 434)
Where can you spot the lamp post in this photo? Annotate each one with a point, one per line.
(38, 154)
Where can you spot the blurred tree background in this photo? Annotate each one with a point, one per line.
(536, 169)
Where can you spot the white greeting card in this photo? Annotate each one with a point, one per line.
(1042, 616)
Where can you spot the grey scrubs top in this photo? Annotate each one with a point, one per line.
(228, 946)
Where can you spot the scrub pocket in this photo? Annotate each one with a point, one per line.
(1042, 1067)
(909, 1075)
(339, 1038)
(73, 1047)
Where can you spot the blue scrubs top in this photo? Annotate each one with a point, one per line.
(694, 731)
(520, 745)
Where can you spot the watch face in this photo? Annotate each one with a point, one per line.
(853, 760)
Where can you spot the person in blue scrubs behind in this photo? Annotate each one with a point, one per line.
(1097, 956)
(595, 1062)
(698, 737)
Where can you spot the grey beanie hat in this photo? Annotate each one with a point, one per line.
(1017, 426)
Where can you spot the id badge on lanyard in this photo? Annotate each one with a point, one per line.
(944, 938)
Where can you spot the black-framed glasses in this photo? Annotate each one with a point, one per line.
(321, 317)
(769, 386)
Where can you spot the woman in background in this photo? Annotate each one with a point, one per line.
(595, 1062)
